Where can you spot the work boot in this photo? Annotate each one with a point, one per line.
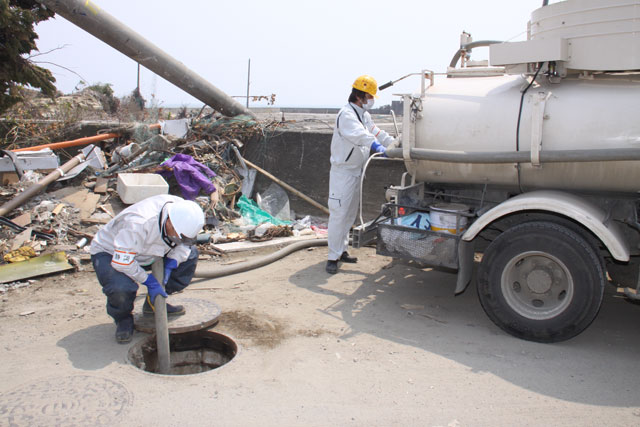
(172, 310)
(124, 330)
(346, 258)
(332, 267)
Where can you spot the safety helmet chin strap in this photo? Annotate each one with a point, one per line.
(162, 225)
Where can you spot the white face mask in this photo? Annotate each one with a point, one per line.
(369, 104)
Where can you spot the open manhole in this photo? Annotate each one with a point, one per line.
(190, 353)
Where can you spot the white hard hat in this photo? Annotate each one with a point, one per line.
(186, 217)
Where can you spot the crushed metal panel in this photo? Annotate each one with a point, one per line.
(177, 128)
(44, 264)
(95, 159)
(31, 160)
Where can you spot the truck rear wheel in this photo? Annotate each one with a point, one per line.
(541, 281)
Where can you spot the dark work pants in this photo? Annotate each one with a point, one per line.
(121, 290)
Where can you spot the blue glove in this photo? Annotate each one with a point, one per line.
(170, 264)
(378, 148)
(154, 288)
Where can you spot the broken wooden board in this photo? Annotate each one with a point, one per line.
(108, 209)
(99, 221)
(45, 264)
(101, 185)
(83, 200)
(21, 238)
(8, 178)
(23, 220)
(63, 192)
(57, 209)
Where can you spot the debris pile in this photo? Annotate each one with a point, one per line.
(39, 119)
(199, 159)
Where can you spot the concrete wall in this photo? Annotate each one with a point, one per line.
(301, 159)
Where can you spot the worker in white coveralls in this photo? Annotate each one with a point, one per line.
(354, 136)
(159, 227)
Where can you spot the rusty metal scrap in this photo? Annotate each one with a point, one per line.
(272, 232)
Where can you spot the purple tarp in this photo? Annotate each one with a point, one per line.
(190, 175)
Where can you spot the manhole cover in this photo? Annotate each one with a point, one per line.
(65, 401)
(200, 314)
(190, 353)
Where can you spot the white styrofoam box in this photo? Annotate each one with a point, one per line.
(133, 187)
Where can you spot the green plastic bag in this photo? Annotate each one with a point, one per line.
(254, 215)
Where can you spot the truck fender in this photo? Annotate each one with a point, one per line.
(592, 217)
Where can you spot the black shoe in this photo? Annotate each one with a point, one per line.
(172, 310)
(332, 267)
(124, 330)
(346, 258)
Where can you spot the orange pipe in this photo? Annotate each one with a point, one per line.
(72, 143)
(76, 142)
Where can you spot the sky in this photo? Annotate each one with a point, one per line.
(306, 53)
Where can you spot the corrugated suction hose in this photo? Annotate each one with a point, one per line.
(213, 272)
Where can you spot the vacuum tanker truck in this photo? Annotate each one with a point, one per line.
(527, 166)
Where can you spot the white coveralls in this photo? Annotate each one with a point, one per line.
(352, 138)
(134, 238)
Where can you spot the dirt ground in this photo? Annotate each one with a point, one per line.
(381, 343)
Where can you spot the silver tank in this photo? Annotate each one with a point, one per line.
(481, 114)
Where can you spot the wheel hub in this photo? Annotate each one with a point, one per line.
(539, 281)
(537, 285)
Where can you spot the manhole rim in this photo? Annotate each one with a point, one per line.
(146, 323)
(152, 336)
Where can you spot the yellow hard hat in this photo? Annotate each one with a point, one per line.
(366, 84)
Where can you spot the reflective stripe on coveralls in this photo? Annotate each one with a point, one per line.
(134, 238)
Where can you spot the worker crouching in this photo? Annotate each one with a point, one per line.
(159, 227)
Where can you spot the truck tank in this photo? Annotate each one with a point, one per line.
(481, 115)
(578, 80)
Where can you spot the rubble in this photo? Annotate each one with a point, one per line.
(23, 253)
(38, 266)
(194, 156)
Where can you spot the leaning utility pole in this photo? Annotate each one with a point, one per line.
(88, 16)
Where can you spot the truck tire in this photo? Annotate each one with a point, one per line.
(541, 281)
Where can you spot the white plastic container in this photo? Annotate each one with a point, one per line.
(445, 215)
(133, 187)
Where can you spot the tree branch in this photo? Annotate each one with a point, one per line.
(68, 69)
(49, 51)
